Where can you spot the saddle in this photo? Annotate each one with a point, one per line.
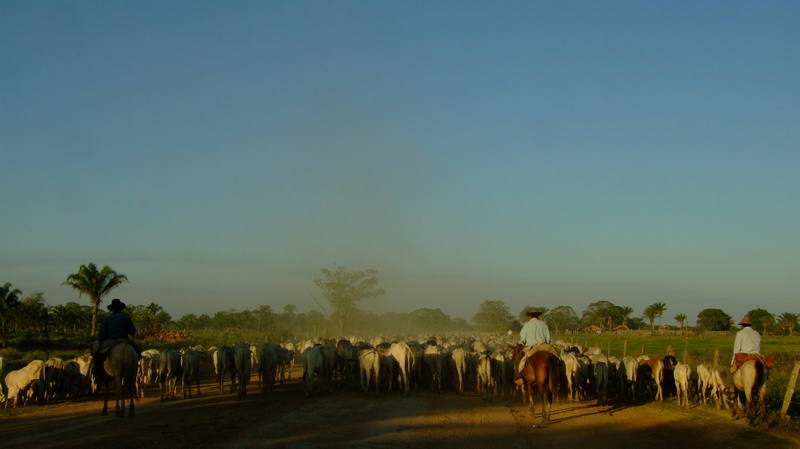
(740, 358)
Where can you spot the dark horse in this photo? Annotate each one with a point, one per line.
(751, 378)
(540, 368)
(121, 366)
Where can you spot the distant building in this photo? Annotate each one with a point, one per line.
(593, 329)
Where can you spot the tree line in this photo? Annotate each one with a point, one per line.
(343, 290)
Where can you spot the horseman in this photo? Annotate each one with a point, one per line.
(747, 346)
(535, 336)
(115, 327)
(747, 343)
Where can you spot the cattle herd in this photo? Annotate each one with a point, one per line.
(372, 367)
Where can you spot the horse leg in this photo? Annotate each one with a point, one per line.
(120, 397)
(547, 400)
(105, 400)
(529, 391)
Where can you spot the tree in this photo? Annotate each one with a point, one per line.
(714, 320)
(493, 316)
(659, 308)
(681, 319)
(95, 284)
(9, 299)
(762, 320)
(562, 319)
(33, 314)
(626, 312)
(788, 321)
(596, 313)
(344, 289)
(650, 314)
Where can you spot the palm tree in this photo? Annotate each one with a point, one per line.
(681, 318)
(625, 311)
(650, 314)
(9, 298)
(95, 284)
(659, 308)
(788, 321)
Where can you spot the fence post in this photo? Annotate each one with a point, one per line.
(716, 356)
(625, 348)
(644, 346)
(787, 399)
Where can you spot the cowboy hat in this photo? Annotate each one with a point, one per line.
(746, 320)
(116, 305)
(533, 313)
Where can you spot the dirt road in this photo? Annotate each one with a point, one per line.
(346, 419)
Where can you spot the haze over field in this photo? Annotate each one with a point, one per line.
(538, 153)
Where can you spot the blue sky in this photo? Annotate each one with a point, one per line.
(220, 154)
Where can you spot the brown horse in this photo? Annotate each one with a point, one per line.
(540, 368)
(749, 378)
(122, 365)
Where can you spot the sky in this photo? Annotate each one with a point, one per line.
(541, 153)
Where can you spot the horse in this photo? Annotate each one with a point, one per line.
(541, 368)
(749, 377)
(122, 365)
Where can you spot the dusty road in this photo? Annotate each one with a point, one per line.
(346, 419)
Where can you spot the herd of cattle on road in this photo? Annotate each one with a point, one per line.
(455, 364)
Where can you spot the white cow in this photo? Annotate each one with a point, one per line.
(573, 376)
(286, 361)
(268, 360)
(433, 355)
(484, 375)
(190, 362)
(499, 372)
(225, 364)
(243, 360)
(704, 381)
(85, 367)
(600, 373)
(19, 381)
(54, 379)
(721, 381)
(369, 362)
(682, 372)
(459, 357)
(628, 375)
(145, 375)
(312, 365)
(401, 359)
(168, 371)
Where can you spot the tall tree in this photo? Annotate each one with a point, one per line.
(681, 318)
(344, 289)
(562, 318)
(714, 320)
(626, 312)
(788, 321)
(9, 299)
(762, 320)
(659, 308)
(95, 284)
(596, 313)
(493, 316)
(651, 314)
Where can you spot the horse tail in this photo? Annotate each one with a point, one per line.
(553, 375)
(761, 372)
